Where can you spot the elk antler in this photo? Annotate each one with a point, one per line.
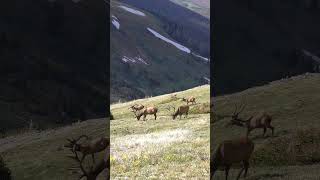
(94, 170)
(241, 108)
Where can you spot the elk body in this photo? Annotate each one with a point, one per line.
(137, 107)
(262, 120)
(94, 170)
(189, 100)
(184, 109)
(94, 146)
(145, 112)
(230, 152)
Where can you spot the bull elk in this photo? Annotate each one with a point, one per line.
(93, 172)
(262, 120)
(230, 152)
(184, 109)
(189, 100)
(136, 107)
(145, 112)
(94, 146)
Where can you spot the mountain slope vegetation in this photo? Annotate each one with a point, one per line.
(145, 59)
(293, 151)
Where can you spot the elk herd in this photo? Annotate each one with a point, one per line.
(140, 110)
(239, 150)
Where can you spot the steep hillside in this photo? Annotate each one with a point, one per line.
(40, 154)
(146, 60)
(53, 60)
(293, 151)
(258, 42)
(199, 6)
(162, 148)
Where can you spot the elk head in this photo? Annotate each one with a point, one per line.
(235, 120)
(137, 114)
(174, 110)
(73, 143)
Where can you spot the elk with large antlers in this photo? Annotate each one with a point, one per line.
(184, 109)
(93, 171)
(149, 110)
(136, 107)
(262, 120)
(189, 100)
(230, 152)
(94, 146)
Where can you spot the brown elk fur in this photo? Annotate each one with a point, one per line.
(230, 152)
(189, 100)
(94, 171)
(262, 120)
(137, 107)
(146, 111)
(94, 146)
(184, 109)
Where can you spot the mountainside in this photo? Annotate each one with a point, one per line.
(53, 60)
(293, 151)
(146, 58)
(257, 42)
(173, 149)
(199, 6)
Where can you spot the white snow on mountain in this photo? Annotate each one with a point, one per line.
(115, 22)
(203, 58)
(177, 45)
(132, 10)
(127, 59)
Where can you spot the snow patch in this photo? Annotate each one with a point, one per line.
(177, 45)
(207, 79)
(133, 60)
(133, 11)
(115, 22)
(203, 58)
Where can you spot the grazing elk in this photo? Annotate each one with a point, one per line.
(137, 107)
(189, 100)
(262, 120)
(93, 171)
(94, 146)
(184, 109)
(145, 112)
(230, 152)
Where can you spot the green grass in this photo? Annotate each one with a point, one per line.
(162, 148)
(294, 105)
(39, 155)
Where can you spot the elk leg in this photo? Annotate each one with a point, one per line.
(227, 171)
(93, 158)
(144, 117)
(272, 129)
(246, 166)
(240, 173)
(264, 131)
(155, 116)
(83, 156)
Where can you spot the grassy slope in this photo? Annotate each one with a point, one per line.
(133, 40)
(162, 147)
(41, 156)
(294, 105)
